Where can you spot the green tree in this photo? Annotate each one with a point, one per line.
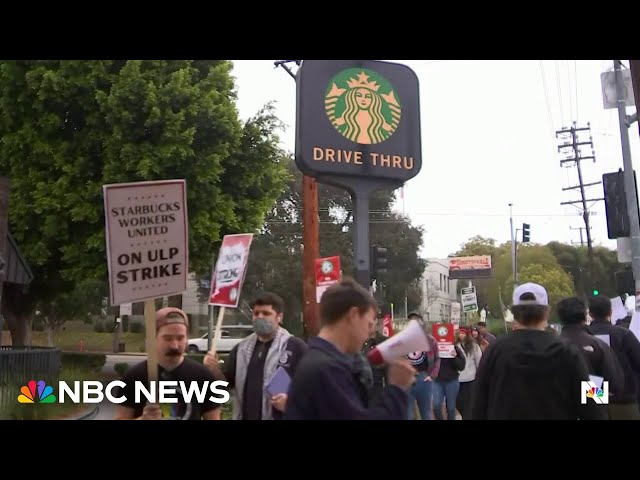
(275, 263)
(555, 280)
(479, 245)
(536, 263)
(528, 255)
(68, 127)
(575, 261)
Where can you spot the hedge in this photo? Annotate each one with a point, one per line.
(88, 361)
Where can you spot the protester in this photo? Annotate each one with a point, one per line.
(530, 374)
(484, 332)
(171, 343)
(600, 358)
(482, 342)
(625, 345)
(323, 386)
(254, 361)
(473, 354)
(427, 365)
(378, 372)
(447, 385)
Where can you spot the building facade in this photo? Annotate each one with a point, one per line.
(438, 290)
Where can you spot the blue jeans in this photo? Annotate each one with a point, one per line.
(420, 392)
(445, 390)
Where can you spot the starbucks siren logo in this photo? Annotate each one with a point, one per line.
(362, 106)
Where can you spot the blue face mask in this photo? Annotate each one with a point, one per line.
(262, 326)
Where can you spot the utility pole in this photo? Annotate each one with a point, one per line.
(629, 179)
(574, 144)
(634, 66)
(581, 238)
(310, 240)
(514, 266)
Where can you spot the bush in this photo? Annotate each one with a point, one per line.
(98, 326)
(135, 327)
(125, 323)
(199, 357)
(121, 368)
(92, 362)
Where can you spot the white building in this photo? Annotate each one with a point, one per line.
(438, 290)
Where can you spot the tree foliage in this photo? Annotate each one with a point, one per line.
(562, 269)
(69, 127)
(275, 263)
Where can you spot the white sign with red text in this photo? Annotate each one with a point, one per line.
(231, 268)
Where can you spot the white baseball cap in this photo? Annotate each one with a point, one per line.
(538, 291)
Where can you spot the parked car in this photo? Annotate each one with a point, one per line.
(230, 337)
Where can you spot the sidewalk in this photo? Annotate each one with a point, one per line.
(88, 413)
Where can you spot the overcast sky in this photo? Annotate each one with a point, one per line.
(488, 139)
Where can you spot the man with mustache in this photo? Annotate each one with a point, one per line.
(254, 361)
(171, 343)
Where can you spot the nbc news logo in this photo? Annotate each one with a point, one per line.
(597, 394)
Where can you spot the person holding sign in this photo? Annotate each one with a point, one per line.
(260, 366)
(427, 365)
(171, 344)
(626, 347)
(473, 355)
(600, 357)
(447, 384)
(324, 386)
(378, 372)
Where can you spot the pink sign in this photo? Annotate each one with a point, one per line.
(231, 268)
(147, 239)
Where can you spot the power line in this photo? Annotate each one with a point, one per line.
(575, 84)
(452, 214)
(558, 83)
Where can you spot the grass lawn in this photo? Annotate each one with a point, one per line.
(78, 336)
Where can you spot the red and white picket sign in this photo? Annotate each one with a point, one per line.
(231, 268)
(387, 326)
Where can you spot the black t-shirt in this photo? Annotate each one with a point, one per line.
(188, 371)
(254, 383)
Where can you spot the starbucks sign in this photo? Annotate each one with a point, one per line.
(358, 118)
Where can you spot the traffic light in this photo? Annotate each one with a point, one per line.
(595, 292)
(526, 233)
(624, 282)
(378, 261)
(615, 204)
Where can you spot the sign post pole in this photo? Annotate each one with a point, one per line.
(358, 128)
(150, 339)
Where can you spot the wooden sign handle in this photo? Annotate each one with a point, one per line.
(217, 334)
(150, 338)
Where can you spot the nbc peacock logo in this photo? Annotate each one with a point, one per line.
(595, 392)
(36, 392)
(363, 106)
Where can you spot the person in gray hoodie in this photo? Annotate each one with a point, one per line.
(473, 354)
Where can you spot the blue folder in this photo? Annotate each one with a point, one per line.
(279, 383)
